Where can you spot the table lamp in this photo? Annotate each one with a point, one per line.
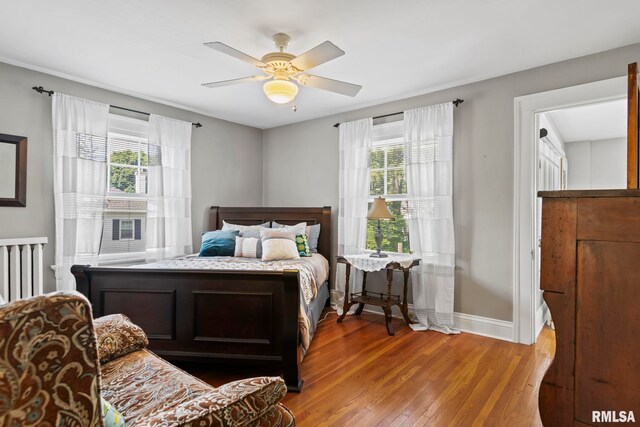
(379, 210)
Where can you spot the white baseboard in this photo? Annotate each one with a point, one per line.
(485, 326)
(478, 325)
(542, 316)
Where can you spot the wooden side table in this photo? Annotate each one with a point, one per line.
(385, 300)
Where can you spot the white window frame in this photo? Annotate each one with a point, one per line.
(139, 168)
(386, 143)
(137, 130)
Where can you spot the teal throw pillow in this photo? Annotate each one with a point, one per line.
(219, 243)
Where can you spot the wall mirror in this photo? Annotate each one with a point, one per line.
(13, 170)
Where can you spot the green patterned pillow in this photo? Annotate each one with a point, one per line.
(110, 415)
(302, 244)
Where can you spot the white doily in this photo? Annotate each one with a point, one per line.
(368, 263)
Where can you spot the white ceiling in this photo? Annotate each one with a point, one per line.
(591, 122)
(153, 48)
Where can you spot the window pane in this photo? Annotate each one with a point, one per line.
(126, 229)
(376, 159)
(122, 179)
(122, 156)
(377, 183)
(144, 156)
(395, 233)
(396, 182)
(395, 156)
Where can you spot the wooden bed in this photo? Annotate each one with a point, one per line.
(214, 315)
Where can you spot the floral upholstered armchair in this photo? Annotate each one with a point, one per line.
(56, 363)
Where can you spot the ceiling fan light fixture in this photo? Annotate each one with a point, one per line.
(280, 91)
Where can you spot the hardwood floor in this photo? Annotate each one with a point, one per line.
(357, 375)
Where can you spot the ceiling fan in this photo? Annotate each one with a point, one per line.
(281, 67)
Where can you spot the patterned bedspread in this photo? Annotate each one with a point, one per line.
(313, 272)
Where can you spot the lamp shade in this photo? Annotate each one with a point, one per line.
(280, 91)
(379, 209)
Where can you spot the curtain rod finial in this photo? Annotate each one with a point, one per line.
(40, 89)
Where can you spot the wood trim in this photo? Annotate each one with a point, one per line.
(564, 194)
(632, 126)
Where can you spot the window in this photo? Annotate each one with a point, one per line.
(123, 236)
(126, 229)
(127, 164)
(387, 179)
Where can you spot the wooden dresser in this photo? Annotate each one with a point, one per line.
(590, 275)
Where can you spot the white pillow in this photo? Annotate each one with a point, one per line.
(312, 232)
(278, 244)
(299, 228)
(248, 247)
(246, 230)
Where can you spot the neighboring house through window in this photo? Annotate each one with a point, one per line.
(126, 229)
(123, 236)
(387, 179)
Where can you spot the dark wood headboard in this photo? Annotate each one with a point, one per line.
(288, 216)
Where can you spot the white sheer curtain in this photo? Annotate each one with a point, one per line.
(169, 189)
(79, 182)
(355, 143)
(429, 172)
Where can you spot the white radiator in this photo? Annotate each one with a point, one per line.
(21, 267)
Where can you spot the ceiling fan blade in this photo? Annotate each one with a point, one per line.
(221, 47)
(331, 85)
(320, 54)
(235, 81)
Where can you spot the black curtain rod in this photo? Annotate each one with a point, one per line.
(456, 102)
(40, 89)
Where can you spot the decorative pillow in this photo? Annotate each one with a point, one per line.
(117, 336)
(246, 230)
(219, 243)
(299, 228)
(278, 244)
(110, 415)
(303, 245)
(312, 232)
(248, 247)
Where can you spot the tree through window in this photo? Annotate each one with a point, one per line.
(387, 179)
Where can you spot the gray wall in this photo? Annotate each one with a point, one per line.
(217, 150)
(483, 168)
(600, 164)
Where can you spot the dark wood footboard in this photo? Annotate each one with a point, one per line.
(205, 315)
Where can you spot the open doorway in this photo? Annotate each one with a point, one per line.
(593, 137)
(580, 147)
(528, 307)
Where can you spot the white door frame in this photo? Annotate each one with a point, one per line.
(524, 184)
